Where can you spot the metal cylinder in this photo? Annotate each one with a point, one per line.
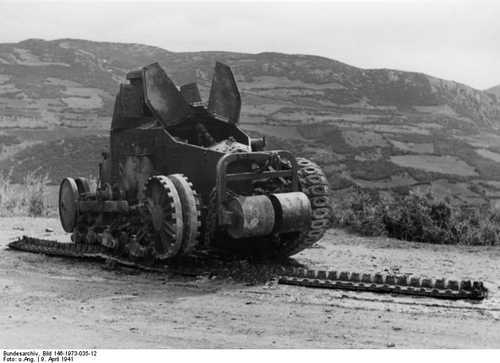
(293, 212)
(251, 216)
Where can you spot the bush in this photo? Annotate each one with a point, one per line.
(29, 199)
(415, 217)
(36, 190)
(360, 213)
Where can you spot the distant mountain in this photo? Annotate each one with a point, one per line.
(73, 82)
(377, 128)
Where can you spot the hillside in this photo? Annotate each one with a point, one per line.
(380, 128)
(494, 90)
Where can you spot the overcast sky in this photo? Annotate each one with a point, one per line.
(448, 39)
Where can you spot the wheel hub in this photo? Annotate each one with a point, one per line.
(157, 217)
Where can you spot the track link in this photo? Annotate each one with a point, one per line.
(314, 184)
(55, 248)
(438, 288)
(76, 250)
(402, 285)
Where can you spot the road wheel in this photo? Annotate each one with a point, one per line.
(191, 211)
(163, 220)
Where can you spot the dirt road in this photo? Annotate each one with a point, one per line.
(56, 302)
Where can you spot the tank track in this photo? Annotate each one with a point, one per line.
(391, 284)
(55, 248)
(314, 184)
(438, 288)
(76, 250)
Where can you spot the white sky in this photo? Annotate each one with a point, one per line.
(458, 40)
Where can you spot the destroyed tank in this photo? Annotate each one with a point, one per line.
(182, 189)
(180, 176)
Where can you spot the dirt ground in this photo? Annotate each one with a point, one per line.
(57, 302)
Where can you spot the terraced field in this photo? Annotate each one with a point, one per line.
(379, 129)
(435, 164)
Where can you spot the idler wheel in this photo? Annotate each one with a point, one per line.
(68, 204)
(164, 217)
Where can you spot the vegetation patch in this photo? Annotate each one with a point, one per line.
(482, 139)
(487, 168)
(317, 131)
(397, 180)
(445, 164)
(8, 140)
(283, 132)
(31, 198)
(489, 154)
(455, 192)
(373, 170)
(417, 148)
(67, 157)
(364, 138)
(416, 217)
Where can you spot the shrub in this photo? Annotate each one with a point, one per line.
(417, 217)
(36, 191)
(361, 213)
(29, 199)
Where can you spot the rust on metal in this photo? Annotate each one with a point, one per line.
(251, 216)
(68, 204)
(293, 211)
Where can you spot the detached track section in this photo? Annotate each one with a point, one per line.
(55, 248)
(389, 284)
(438, 288)
(75, 250)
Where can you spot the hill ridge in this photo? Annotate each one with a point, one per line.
(382, 129)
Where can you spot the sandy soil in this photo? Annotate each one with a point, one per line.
(56, 302)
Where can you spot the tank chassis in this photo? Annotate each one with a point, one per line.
(181, 176)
